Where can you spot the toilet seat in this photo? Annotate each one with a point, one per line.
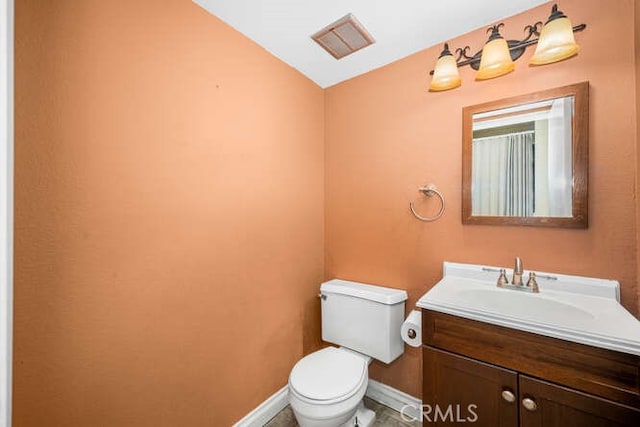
(329, 375)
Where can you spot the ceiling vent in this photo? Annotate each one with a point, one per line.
(343, 37)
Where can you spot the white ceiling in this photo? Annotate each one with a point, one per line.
(400, 28)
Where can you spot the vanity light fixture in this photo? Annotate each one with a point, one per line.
(495, 59)
(446, 75)
(555, 42)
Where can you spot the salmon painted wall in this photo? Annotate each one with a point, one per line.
(386, 136)
(168, 213)
(636, 40)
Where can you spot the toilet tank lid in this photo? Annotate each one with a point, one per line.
(361, 290)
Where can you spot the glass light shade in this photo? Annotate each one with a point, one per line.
(556, 42)
(445, 75)
(496, 60)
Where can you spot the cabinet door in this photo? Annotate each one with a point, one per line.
(551, 405)
(460, 390)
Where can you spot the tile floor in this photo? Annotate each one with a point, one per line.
(385, 416)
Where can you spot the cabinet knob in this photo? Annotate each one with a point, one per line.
(529, 404)
(508, 395)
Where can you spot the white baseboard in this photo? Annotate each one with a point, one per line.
(266, 410)
(395, 399)
(388, 396)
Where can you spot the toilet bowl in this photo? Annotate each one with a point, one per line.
(326, 387)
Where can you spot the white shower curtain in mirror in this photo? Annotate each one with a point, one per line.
(560, 168)
(503, 175)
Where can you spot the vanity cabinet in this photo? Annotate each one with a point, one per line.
(486, 375)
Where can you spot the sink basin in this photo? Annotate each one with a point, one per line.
(573, 308)
(524, 306)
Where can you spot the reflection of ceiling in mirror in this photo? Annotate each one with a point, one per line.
(513, 115)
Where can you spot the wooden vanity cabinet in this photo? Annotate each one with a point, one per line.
(486, 375)
(458, 389)
(557, 406)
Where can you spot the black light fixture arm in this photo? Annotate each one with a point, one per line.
(516, 47)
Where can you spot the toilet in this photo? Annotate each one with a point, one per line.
(326, 387)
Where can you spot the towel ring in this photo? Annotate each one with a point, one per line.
(429, 190)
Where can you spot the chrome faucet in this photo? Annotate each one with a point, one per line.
(516, 281)
(517, 273)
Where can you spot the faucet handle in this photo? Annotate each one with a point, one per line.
(532, 283)
(502, 279)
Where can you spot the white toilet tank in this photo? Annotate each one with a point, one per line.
(364, 318)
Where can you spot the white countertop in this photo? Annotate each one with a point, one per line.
(579, 309)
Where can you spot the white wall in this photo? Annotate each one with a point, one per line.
(6, 207)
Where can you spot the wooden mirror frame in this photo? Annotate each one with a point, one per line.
(580, 158)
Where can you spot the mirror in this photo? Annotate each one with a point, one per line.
(525, 159)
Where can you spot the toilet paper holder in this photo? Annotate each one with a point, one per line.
(411, 329)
